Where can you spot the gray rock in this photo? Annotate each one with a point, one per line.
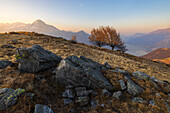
(69, 93)
(140, 75)
(82, 101)
(132, 87)
(67, 101)
(168, 107)
(106, 92)
(81, 72)
(42, 109)
(7, 46)
(94, 103)
(8, 97)
(14, 41)
(107, 65)
(158, 94)
(83, 93)
(30, 95)
(35, 59)
(117, 94)
(122, 84)
(73, 110)
(5, 63)
(138, 100)
(117, 70)
(152, 102)
(102, 105)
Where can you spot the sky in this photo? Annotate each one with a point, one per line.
(126, 16)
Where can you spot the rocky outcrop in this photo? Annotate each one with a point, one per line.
(35, 59)
(140, 75)
(82, 72)
(5, 63)
(132, 87)
(8, 97)
(42, 109)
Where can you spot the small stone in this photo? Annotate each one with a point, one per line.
(152, 102)
(82, 101)
(117, 94)
(42, 109)
(69, 93)
(106, 92)
(158, 94)
(69, 87)
(107, 65)
(5, 63)
(73, 110)
(138, 100)
(102, 105)
(31, 95)
(122, 84)
(94, 103)
(67, 101)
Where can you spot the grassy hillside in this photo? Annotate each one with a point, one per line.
(49, 92)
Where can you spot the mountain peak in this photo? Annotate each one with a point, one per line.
(38, 21)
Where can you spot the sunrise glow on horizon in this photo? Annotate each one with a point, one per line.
(127, 16)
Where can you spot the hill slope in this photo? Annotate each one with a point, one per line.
(42, 88)
(162, 54)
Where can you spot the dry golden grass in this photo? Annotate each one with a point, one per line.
(48, 92)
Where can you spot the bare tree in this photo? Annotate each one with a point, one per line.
(97, 37)
(107, 36)
(73, 39)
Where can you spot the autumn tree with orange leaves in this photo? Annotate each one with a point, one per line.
(107, 36)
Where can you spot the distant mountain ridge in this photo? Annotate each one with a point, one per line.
(161, 55)
(153, 40)
(41, 27)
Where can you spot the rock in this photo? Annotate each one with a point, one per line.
(107, 65)
(94, 103)
(158, 94)
(81, 91)
(42, 109)
(168, 107)
(30, 95)
(152, 102)
(8, 97)
(117, 70)
(102, 105)
(35, 59)
(5, 63)
(122, 84)
(81, 72)
(14, 41)
(7, 46)
(138, 100)
(106, 92)
(67, 101)
(82, 101)
(140, 75)
(73, 110)
(69, 87)
(69, 93)
(132, 87)
(117, 94)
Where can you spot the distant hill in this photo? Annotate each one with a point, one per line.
(161, 55)
(41, 27)
(153, 40)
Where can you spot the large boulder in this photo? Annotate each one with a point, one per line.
(140, 75)
(132, 87)
(5, 63)
(81, 72)
(8, 97)
(35, 59)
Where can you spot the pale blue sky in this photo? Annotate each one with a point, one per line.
(127, 16)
